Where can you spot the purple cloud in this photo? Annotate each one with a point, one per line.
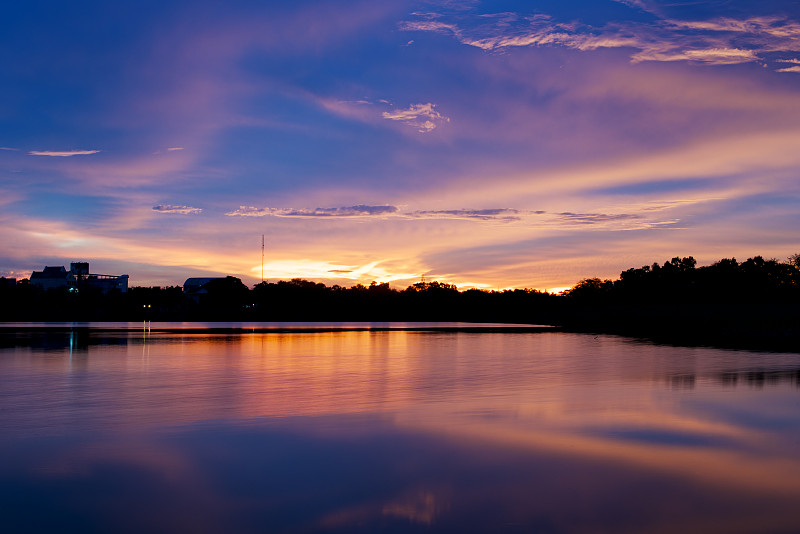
(182, 210)
(360, 210)
(62, 153)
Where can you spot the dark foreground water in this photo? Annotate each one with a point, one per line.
(393, 431)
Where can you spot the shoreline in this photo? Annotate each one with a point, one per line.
(740, 339)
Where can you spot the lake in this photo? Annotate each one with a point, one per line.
(360, 427)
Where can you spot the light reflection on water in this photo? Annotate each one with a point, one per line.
(395, 431)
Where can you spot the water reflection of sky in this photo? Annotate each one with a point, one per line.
(395, 432)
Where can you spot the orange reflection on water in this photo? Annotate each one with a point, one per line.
(562, 381)
(714, 422)
(280, 375)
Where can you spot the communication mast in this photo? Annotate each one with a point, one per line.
(262, 258)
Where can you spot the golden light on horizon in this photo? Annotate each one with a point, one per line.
(320, 269)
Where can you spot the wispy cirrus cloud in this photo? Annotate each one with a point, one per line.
(502, 214)
(596, 218)
(423, 117)
(516, 217)
(250, 211)
(719, 41)
(62, 153)
(634, 3)
(773, 26)
(712, 56)
(544, 219)
(9, 148)
(169, 149)
(361, 210)
(182, 210)
(606, 221)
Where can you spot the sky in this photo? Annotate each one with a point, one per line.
(503, 144)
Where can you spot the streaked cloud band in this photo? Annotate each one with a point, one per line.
(62, 153)
(719, 41)
(423, 117)
(360, 210)
(182, 210)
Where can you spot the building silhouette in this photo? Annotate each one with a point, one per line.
(78, 278)
(195, 288)
(53, 277)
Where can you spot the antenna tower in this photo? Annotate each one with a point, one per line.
(262, 258)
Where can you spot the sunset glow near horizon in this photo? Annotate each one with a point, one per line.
(487, 144)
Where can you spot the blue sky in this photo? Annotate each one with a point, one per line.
(487, 144)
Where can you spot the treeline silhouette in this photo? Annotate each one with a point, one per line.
(755, 303)
(228, 299)
(752, 304)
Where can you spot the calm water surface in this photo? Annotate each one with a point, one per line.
(130, 430)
